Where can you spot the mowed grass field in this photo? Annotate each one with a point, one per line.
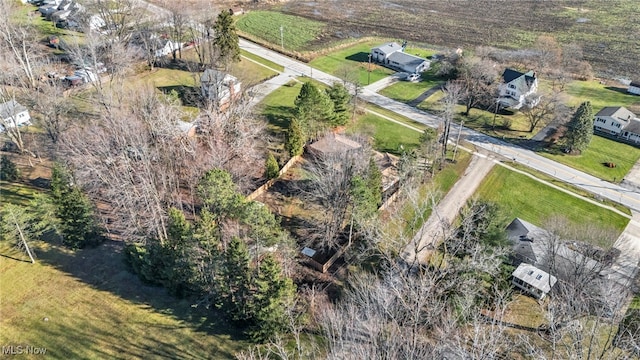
(297, 32)
(407, 91)
(520, 196)
(86, 305)
(600, 151)
(353, 62)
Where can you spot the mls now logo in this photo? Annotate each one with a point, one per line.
(20, 350)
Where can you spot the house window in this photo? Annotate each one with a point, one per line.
(511, 86)
(539, 277)
(530, 272)
(618, 126)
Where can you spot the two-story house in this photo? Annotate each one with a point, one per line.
(219, 87)
(518, 89)
(13, 114)
(619, 122)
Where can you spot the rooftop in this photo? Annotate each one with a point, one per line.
(535, 277)
(10, 108)
(334, 143)
(389, 47)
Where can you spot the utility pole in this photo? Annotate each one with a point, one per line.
(493, 126)
(455, 150)
(281, 37)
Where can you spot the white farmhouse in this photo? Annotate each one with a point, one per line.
(619, 122)
(518, 88)
(13, 114)
(219, 86)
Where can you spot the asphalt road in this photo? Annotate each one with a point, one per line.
(579, 179)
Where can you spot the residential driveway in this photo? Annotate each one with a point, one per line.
(437, 227)
(632, 179)
(383, 83)
(629, 245)
(260, 91)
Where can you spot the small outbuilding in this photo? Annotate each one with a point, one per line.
(333, 144)
(533, 281)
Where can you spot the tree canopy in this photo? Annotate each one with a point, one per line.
(580, 129)
(226, 39)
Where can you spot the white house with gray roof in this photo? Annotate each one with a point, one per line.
(13, 114)
(393, 55)
(518, 89)
(619, 122)
(532, 280)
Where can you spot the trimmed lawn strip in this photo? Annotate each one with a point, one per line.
(297, 32)
(406, 91)
(261, 60)
(569, 187)
(86, 304)
(395, 116)
(350, 59)
(600, 151)
(523, 197)
(388, 136)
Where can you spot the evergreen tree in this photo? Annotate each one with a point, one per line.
(314, 109)
(8, 170)
(271, 167)
(218, 193)
(340, 96)
(273, 293)
(374, 181)
(177, 273)
(234, 288)
(226, 39)
(296, 139)
(74, 210)
(580, 129)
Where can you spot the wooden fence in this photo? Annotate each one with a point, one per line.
(262, 189)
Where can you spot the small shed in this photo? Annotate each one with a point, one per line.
(634, 87)
(533, 281)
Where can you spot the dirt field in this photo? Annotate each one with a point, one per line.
(608, 30)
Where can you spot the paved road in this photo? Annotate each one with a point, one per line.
(526, 157)
(438, 226)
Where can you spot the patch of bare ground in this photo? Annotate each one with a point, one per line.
(509, 24)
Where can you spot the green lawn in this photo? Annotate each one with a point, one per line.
(601, 150)
(513, 126)
(16, 193)
(261, 60)
(406, 91)
(388, 136)
(523, 197)
(600, 95)
(86, 305)
(297, 32)
(44, 28)
(351, 59)
(277, 107)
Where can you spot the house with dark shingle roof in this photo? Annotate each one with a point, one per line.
(518, 88)
(634, 87)
(392, 55)
(619, 122)
(13, 114)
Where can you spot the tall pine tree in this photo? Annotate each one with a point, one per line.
(226, 39)
(340, 96)
(294, 143)
(74, 210)
(273, 294)
(580, 129)
(314, 109)
(234, 289)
